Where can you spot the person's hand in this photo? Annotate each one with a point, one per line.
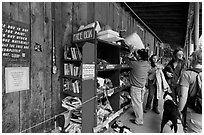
(170, 75)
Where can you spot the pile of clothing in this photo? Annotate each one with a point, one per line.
(71, 103)
(104, 110)
(68, 122)
(125, 99)
(103, 84)
(102, 62)
(124, 79)
(119, 127)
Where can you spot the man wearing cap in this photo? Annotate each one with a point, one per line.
(138, 60)
(193, 119)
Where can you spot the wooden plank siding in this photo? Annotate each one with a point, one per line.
(10, 101)
(47, 91)
(37, 66)
(52, 26)
(25, 96)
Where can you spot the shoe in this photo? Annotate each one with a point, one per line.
(146, 110)
(179, 121)
(156, 111)
(133, 114)
(133, 121)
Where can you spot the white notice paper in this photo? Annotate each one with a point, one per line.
(88, 71)
(16, 79)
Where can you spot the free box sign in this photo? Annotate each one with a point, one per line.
(84, 35)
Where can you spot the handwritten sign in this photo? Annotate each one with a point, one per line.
(15, 41)
(84, 35)
(16, 79)
(88, 71)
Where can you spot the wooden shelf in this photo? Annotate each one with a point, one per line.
(108, 67)
(93, 49)
(71, 93)
(71, 77)
(116, 90)
(107, 43)
(71, 61)
(125, 67)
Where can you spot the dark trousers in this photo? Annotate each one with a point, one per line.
(175, 93)
(152, 94)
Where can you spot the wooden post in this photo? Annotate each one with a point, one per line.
(196, 19)
(89, 88)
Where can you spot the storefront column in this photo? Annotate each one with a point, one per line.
(196, 19)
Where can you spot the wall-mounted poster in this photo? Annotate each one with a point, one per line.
(16, 79)
(15, 41)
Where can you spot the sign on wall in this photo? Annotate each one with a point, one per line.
(88, 71)
(15, 41)
(84, 35)
(16, 79)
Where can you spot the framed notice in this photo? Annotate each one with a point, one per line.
(16, 79)
(88, 71)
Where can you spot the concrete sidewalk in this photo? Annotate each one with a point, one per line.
(152, 121)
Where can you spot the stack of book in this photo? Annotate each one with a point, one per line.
(70, 85)
(72, 53)
(71, 69)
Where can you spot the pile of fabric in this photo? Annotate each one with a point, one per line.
(124, 79)
(71, 103)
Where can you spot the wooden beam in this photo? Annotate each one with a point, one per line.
(161, 10)
(161, 14)
(164, 19)
(166, 25)
(154, 4)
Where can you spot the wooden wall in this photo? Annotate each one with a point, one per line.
(116, 16)
(51, 26)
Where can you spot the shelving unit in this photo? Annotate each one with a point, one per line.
(93, 49)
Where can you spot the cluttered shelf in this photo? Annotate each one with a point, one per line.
(125, 66)
(71, 77)
(102, 93)
(102, 42)
(104, 50)
(71, 61)
(110, 67)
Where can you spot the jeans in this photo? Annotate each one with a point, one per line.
(193, 122)
(137, 96)
(152, 94)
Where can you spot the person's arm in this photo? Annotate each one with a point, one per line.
(168, 71)
(184, 88)
(183, 98)
(128, 58)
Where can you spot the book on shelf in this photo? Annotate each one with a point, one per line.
(71, 69)
(67, 54)
(69, 85)
(72, 53)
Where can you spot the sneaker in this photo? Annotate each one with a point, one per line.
(156, 111)
(133, 121)
(146, 110)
